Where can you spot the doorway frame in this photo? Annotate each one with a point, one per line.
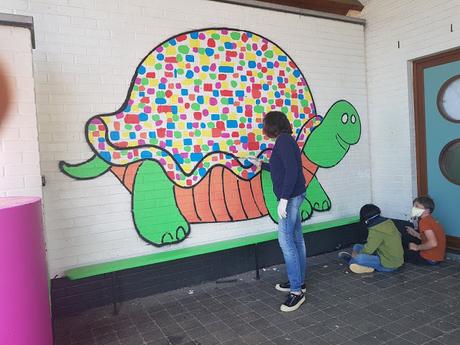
(418, 66)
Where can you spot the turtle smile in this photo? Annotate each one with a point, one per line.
(343, 144)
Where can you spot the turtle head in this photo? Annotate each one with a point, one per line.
(330, 141)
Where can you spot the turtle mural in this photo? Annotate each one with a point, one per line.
(193, 116)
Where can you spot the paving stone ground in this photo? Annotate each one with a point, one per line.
(416, 305)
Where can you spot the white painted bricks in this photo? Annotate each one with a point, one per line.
(422, 27)
(86, 54)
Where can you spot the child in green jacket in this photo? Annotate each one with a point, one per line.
(383, 251)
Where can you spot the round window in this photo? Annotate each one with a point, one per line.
(449, 99)
(449, 161)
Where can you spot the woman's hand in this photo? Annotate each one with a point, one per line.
(282, 208)
(410, 230)
(255, 161)
(413, 246)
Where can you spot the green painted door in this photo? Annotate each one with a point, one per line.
(442, 127)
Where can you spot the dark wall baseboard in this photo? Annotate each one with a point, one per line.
(70, 297)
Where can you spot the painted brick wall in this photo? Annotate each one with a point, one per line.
(86, 54)
(423, 28)
(19, 157)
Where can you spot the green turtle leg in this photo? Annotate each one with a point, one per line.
(317, 196)
(305, 210)
(154, 208)
(270, 198)
(272, 203)
(92, 168)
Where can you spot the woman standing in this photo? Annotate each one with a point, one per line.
(285, 168)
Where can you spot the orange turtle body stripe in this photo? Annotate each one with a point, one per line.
(185, 202)
(126, 174)
(232, 196)
(247, 200)
(220, 197)
(216, 195)
(309, 169)
(201, 197)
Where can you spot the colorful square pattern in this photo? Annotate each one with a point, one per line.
(198, 100)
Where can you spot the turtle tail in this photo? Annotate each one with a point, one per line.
(89, 169)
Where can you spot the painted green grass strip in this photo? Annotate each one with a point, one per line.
(123, 264)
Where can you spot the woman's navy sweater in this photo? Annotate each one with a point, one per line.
(285, 168)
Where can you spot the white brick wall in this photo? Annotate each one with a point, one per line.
(19, 157)
(86, 54)
(423, 28)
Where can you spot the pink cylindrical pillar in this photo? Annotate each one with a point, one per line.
(25, 317)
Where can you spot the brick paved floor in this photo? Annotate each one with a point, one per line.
(417, 305)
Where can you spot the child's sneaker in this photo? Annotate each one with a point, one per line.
(293, 302)
(345, 256)
(360, 269)
(286, 287)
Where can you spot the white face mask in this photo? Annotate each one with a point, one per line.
(416, 212)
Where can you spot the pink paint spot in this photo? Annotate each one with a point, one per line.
(101, 146)
(201, 36)
(196, 69)
(163, 80)
(141, 142)
(213, 67)
(130, 155)
(151, 91)
(205, 112)
(147, 109)
(169, 67)
(138, 81)
(196, 88)
(138, 127)
(159, 49)
(218, 85)
(120, 115)
(225, 110)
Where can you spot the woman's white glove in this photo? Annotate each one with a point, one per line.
(282, 208)
(255, 161)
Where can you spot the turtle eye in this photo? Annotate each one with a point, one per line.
(344, 118)
(353, 118)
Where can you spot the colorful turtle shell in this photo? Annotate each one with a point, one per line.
(198, 99)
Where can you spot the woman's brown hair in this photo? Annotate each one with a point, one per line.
(275, 123)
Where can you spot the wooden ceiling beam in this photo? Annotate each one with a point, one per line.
(331, 6)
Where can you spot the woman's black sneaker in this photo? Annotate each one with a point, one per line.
(293, 302)
(286, 287)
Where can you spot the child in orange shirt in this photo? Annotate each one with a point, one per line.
(428, 244)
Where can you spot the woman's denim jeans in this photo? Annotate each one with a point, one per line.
(292, 244)
(368, 260)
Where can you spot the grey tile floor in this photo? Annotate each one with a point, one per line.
(417, 305)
